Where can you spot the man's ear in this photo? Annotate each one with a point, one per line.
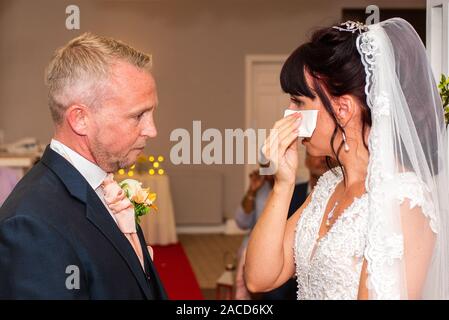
(345, 109)
(77, 116)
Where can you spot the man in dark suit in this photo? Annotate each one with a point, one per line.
(59, 238)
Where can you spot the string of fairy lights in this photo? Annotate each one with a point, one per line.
(154, 164)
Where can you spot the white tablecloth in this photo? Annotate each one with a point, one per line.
(159, 226)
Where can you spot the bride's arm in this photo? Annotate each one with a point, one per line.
(363, 290)
(270, 255)
(419, 241)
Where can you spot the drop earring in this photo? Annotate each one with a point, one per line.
(346, 146)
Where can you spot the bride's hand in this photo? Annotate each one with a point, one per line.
(281, 148)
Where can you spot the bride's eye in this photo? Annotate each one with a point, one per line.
(298, 103)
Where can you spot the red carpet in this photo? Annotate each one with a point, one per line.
(176, 273)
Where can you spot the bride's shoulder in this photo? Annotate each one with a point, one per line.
(406, 185)
(409, 186)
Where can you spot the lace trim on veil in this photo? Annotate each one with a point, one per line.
(384, 246)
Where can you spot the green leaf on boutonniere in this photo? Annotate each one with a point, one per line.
(140, 209)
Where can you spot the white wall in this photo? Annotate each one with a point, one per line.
(198, 48)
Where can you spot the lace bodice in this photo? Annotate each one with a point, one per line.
(330, 268)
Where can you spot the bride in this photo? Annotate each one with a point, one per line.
(376, 226)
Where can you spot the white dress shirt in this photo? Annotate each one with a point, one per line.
(89, 170)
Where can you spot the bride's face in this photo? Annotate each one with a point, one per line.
(318, 144)
(345, 109)
(125, 121)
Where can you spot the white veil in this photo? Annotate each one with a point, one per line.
(407, 140)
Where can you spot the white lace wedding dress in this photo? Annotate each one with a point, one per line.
(330, 268)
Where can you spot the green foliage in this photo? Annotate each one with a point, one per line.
(140, 209)
(443, 86)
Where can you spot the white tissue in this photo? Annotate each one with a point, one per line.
(308, 121)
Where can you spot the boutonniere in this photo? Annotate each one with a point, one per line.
(141, 198)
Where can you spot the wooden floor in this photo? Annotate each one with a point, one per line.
(206, 253)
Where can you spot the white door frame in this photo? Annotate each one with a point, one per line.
(437, 36)
(250, 61)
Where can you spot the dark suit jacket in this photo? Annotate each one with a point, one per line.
(54, 224)
(298, 197)
(288, 290)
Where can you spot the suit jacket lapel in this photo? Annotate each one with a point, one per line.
(149, 265)
(96, 212)
(101, 218)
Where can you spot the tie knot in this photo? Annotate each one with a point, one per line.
(119, 204)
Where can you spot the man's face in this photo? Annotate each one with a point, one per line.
(121, 126)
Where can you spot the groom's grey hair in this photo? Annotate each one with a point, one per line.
(79, 72)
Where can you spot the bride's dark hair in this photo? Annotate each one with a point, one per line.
(332, 59)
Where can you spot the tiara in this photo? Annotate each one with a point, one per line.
(352, 26)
